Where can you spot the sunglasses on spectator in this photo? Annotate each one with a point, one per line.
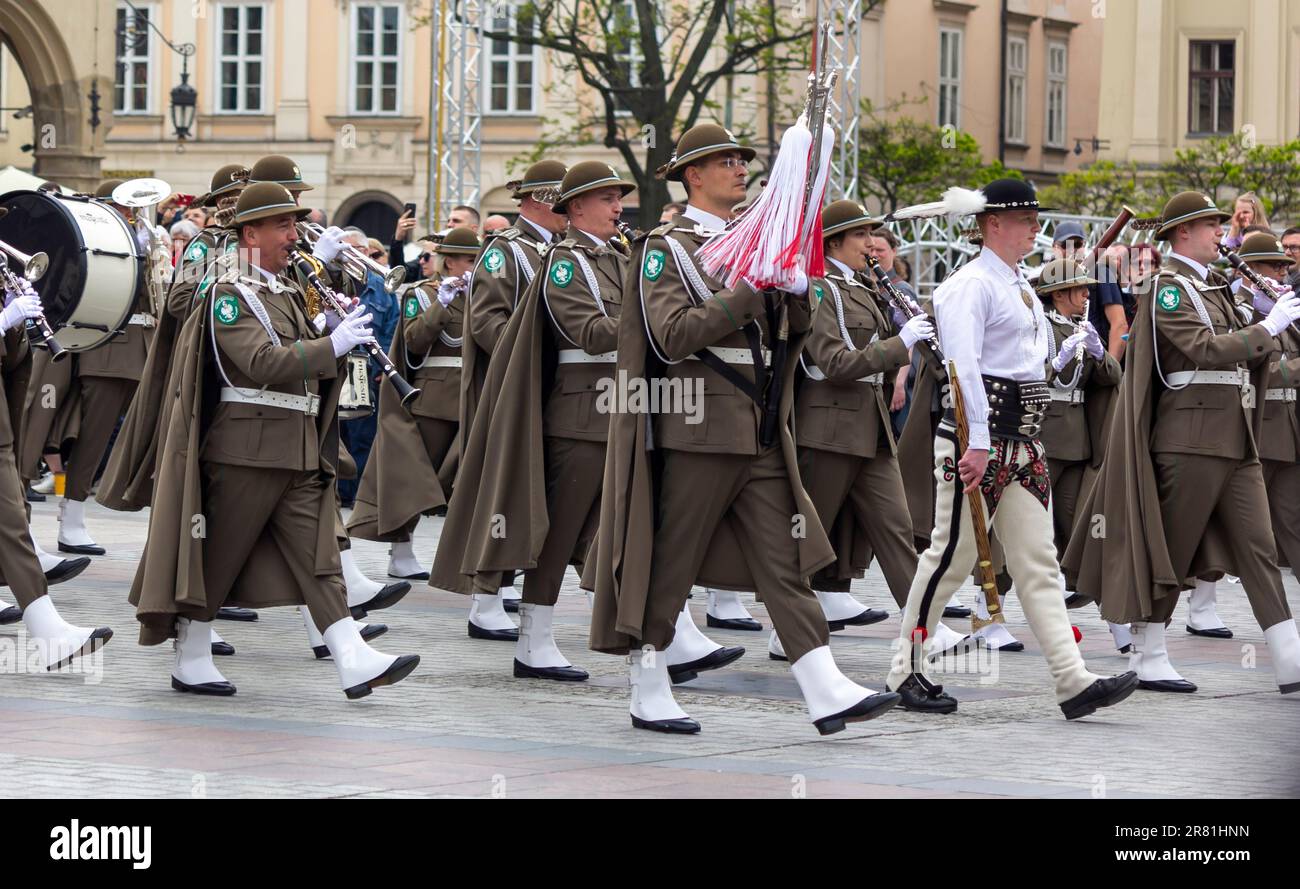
(426, 256)
(378, 254)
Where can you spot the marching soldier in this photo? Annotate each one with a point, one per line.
(847, 452)
(58, 642)
(506, 267)
(562, 343)
(244, 506)
(994, 331)
(717, 501)
(1081, 375)
(1182, 491)
(411, 467)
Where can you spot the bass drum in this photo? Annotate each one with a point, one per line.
(96, 265)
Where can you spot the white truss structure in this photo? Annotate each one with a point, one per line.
(844, 110)
(455, 166)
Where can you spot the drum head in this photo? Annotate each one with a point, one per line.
(39, 223)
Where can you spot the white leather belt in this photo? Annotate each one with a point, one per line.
(736, 356)
(303, 404)
(1209, 378)
(578, 356)
(1073, 396)
(143, 319)
(1279, 395)
(815, 373)
(441, 361)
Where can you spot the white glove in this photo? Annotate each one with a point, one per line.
(915, 330)
(448, 290)
(19, 308)
(352, 332)
(329, 244)
(799, 286)
(1068, 350)
(1286, 311)
(1092, 342)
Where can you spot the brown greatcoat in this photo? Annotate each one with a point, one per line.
(1126, 565)
(400, 481)
(619, 572)
(15, 371)
(495, 290)
(127, 484)
(169, 578)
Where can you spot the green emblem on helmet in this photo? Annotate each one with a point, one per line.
(654, 264)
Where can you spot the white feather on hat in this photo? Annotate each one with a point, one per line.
(956, 201)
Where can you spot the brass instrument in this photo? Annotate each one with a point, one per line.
(310, 268)
(354, 261)
(137, 195)
(34, 266)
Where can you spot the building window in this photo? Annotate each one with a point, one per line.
(1013, 127)
(241, 44)
(625, 46)
(1210, 88)
(131, 88)
(512, 67)
(950, 77)
(1057, 56)
(376, 43)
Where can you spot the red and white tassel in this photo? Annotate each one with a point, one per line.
(767, 245)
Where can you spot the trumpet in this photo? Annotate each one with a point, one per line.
(310, 267)
(354, 261)
(34, 266)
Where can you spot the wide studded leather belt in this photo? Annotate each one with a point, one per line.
(1016, 407)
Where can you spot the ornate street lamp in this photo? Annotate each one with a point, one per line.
(184, 97)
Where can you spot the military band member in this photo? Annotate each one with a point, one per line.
(1182, 491)
(847, 452)
(715, 501)
(1081, 376)
(993, 329)
(411, 469)
(244, 505)
(507, 265)
(57, 641)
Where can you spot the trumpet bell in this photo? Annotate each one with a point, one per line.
(394, 278)
(141, 192)
(35, 267)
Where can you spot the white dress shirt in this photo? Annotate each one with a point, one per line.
(844, 270)
(541, 232)
(986, 328)
(1191, 263)
(705, 218)
(599, 242)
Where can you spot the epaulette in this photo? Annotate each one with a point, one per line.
(508, 234)
(661, 230)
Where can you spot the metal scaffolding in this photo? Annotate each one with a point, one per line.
(455, 112)
(844, 110)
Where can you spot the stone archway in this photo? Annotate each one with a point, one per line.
(62, 139)
(372, 210)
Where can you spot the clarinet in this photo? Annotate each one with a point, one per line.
(38, 329)
(905, 305)
(1260, 282)
(306, 267)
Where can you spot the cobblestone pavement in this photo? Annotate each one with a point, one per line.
(461, 725)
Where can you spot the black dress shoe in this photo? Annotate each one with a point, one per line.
(217, 689)
(956, 611)
(559, 674)
(510, 605)
(223, 648)
(868, 708)
(668, 726)
(1102, 693)
(920, 695)
(400, 669)
(732, 623)
(11, 615)
(89, 549)
(419, 575)
(867, 616)
(1076, 600)
(97, 640)
(1215, 633)
(66, 570)
(477, 632)
(713, 660)
(1177, 686)
(387, 596)
(34, 496)
(242, 614)
(1126, 649)
(373, 631)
